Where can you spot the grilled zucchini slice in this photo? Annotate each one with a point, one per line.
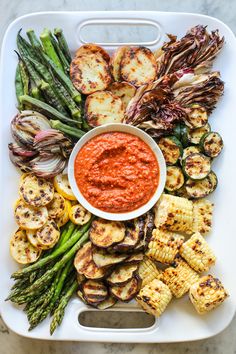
(126, 292)
(62, 186)
(85, 265)
(104, 233)
(64, 218)
(192, 149)
(200, 189)
(197, 116)
(123, 90)
(79, 215)
(212, 144)
(122, 274)
(103, 259)
(90, 72)
(214, 181)
(57, 206)
(36, 191)
(197, 166)
(116, 61)
(133, 233)
(174, 178)
(103, 107)
(30, 218)
(184, 135)
(22, 250)
(94, 292)
(138, 66)
(107, 303)
(48, 235)
(195, 135)
(171, 148)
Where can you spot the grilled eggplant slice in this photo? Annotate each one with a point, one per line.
(115, 62)
(107, 303)
(94, 292)
(90, 72)
(134, 258)
(85, 265)
(197, 166)
(148, 226)
(122, 274)
(132, 237)
(128, 291)
(103, 107)
(138, 66)
(30, 218)
(57, 207)
(103, 259)
(123, 90)
(104, 233)
(36, 191)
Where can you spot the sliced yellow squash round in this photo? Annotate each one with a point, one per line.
(62, 186)
(22, 250)
(36, 191)
(32, 238)
(30, 218)
(79, 215)
(48, 235)
(64, 218)
(57, 206)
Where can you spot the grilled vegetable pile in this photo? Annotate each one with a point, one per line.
(108, 264)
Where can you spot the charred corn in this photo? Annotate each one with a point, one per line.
(207, 293)
(154, 297)
(202, 216)
(164, 246)
(148, 271)
(174, 214)
(179, 277)
(197, 253)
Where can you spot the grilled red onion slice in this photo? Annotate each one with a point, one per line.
(21, 151)
(48, 167)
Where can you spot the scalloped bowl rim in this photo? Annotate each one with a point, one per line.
(119, 127)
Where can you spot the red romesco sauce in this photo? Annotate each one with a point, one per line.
(116, 172)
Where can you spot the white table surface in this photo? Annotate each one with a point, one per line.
(225, 342)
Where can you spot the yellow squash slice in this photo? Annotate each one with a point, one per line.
(57, 206)
(79, 215)
(30, 218)
(62, 186)
(22, 250)
(48, 235)
(64, 218)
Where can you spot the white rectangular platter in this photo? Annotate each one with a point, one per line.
(180, 321)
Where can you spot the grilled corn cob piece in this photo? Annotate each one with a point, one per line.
(174, 214)
(202, 216)
(179, 277)
(197, 253)
(207, 293)
(164, 246)
(154, 297)
(148, 271)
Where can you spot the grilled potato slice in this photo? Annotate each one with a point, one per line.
(85, 265)
(30, 218)
(107, 303)
(22, 250)
(91, 48)
(32, 238)
(48, 235)
(90, 73)
(104, 233)
(103, 259)
(124, 90)
(122, 274)
(115, 62)
(128, 291)
(64, 218)
(36, 191)
(62, 186)
(57, 206)
(138, 66)
(103, 107)
(94, 292)
(79, 215)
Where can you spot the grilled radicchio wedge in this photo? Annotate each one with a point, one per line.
(38, 148)
(197, 49)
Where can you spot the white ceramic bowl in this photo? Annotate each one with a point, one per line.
(126, 129)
